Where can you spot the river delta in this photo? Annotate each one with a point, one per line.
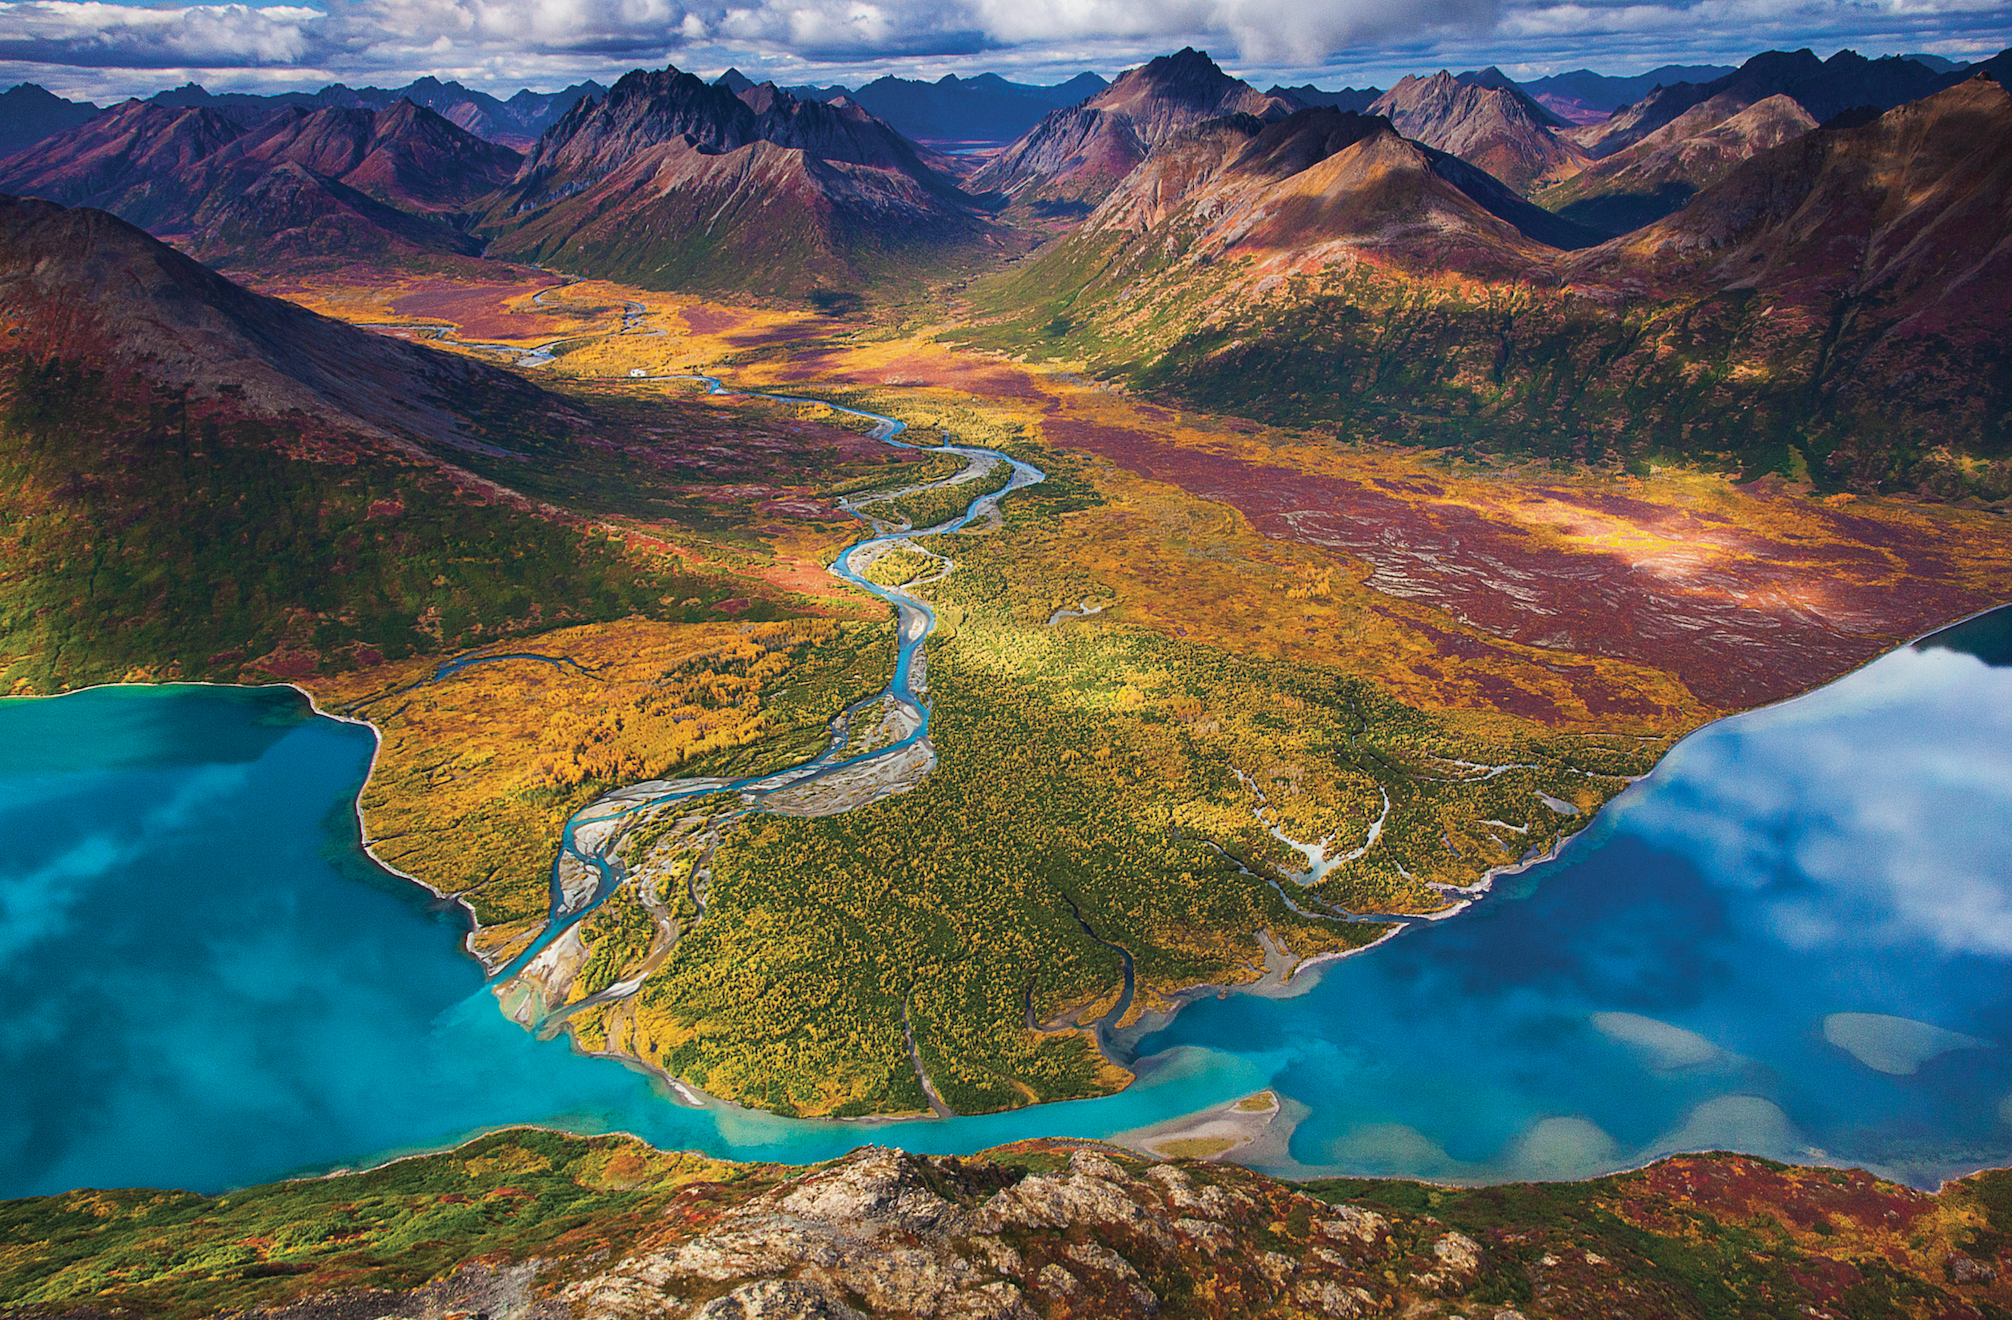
(1791, 939)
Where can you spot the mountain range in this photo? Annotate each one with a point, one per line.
(986, 108)
(1198, 235)
(299, 183)
(675, 182)
(515, 123)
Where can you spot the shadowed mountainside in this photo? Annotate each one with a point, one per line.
(259, 491)
(83, 285)
(1821, 87)
(1659, 174)
(30, 113)
(672, 182)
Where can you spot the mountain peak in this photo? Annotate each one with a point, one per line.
(1187, 72)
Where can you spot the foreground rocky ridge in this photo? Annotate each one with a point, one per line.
(529, 1225)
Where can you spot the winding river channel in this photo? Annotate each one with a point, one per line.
(594, 835)
(1778, 942)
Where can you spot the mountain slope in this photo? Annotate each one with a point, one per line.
(1891, 239)
(404, 156)
(197, 481)
(1493, 128)
(675, 183)
(83, 285)
(1080, 153)
(124, 161)
(1663, 171)
(1494, 79)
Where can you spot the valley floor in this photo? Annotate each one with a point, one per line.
(1489, 651)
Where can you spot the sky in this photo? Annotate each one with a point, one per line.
(90, 49)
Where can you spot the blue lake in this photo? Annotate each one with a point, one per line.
(1795, 938)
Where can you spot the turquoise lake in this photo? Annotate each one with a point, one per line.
(1794, 938)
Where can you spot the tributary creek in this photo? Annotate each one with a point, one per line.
(1794, 938)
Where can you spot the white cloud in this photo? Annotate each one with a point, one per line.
(92, 35)
(503, 44)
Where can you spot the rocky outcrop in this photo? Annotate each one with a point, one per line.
(884, 1233)
(526, 1225)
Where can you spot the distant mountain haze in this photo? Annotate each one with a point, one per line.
(986, 108)
(1348, 98)
(516, 122)
(1583, 96)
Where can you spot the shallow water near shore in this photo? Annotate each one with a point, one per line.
(1794, 939)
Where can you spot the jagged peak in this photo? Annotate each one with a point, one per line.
(1187, 70)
